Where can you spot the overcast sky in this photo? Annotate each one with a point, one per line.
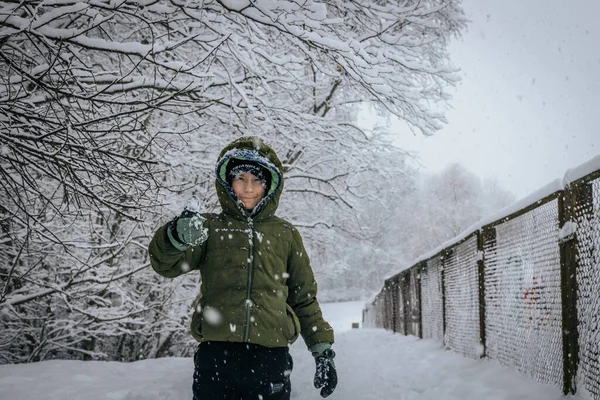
(528, 106)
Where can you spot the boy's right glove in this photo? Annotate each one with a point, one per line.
(326, 375)
(187, 230)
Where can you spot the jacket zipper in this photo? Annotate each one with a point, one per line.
(250, 268)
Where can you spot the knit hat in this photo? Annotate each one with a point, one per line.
(237, 167)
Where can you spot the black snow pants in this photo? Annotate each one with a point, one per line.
(241, 371)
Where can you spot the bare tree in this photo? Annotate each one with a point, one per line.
(443, 205)
(108, 110)
(82, 82)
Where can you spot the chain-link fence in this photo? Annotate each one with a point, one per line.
(587, 217)
(432, 310)
(522, 294)
(524, 290)
(462, 298)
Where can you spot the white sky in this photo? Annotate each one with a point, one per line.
(528, 106)
(372, 364)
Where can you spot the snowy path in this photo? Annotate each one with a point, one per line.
(372, 364)
(376, 364)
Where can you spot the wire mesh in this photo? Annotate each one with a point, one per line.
(461, 277)
(380, 313)
(432, 305)
(399, 309)
(588, 302)
(412, 311)
(389, 307)
(368, 320)
(522, 294)
(370, 315)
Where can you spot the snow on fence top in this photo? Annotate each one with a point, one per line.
(571, 175)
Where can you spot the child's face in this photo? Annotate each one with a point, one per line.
(248, 189)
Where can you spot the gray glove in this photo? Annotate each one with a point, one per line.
(187, 230)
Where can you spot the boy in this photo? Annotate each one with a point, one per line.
(258, 291)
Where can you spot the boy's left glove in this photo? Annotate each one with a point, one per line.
(326, 375)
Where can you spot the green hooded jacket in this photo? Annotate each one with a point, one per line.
(257, 284)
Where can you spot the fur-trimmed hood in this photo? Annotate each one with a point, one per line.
(254, 149)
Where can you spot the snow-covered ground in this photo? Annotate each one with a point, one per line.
(373, 364)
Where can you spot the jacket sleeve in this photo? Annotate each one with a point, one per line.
(170, 262)
(302, 296)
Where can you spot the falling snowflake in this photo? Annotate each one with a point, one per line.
(212, 316)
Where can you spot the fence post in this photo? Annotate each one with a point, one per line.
(445, 254)
(380, 308)
(386, 308)
(391, 310)
(391, 306)
(419, 297)
(405, 309)
(568, 282)
(395, 302)
(481, 274)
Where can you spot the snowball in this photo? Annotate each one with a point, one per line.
(193, 204)
(212, 316)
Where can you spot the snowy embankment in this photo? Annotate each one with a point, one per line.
(373, 364)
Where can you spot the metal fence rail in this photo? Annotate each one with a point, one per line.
(524, 290)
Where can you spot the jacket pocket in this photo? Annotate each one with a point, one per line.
(293, 322)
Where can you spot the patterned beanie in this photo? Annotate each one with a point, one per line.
(237, 167)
